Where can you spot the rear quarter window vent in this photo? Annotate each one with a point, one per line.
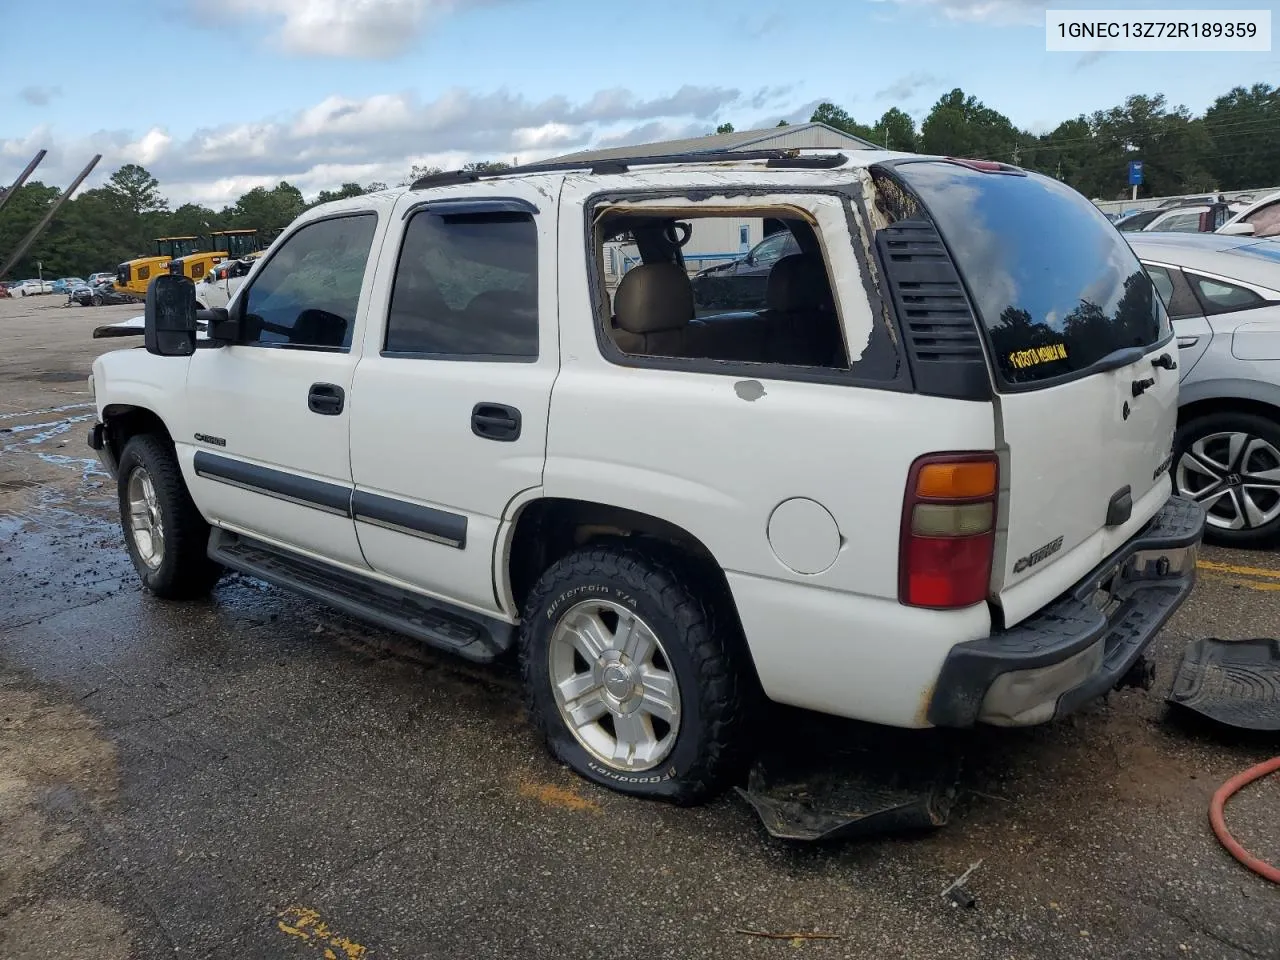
(944, 348)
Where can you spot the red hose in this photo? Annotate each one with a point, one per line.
(1219, 824)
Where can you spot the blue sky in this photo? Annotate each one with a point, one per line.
(321, 91)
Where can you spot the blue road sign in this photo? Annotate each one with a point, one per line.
(1135, 172)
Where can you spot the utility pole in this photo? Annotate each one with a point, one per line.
(39, 228)
(1016, 154)
(22, 177)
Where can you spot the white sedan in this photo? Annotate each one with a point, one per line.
(30, 288)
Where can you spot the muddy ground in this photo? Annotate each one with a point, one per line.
(256, 776)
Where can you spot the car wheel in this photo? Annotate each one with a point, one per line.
(633, 678)
(164, 532)
(1230, 464)
(97, 300)
(21, 292)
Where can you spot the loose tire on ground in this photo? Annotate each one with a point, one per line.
(697, 646)
(152, 495)
(1230, 463)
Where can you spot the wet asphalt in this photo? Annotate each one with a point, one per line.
(256, 776)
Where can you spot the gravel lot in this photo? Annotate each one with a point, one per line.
(256, 776)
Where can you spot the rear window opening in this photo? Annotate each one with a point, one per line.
(1055, 287)
(750, 287)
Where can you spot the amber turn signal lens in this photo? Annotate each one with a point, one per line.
(957, 481)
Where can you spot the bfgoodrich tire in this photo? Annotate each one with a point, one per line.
(1230, 463)
(165, 534)
(633, 678)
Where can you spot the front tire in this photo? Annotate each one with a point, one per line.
(165, 534)
(1230, 464)
(632, 677)
(97, 300)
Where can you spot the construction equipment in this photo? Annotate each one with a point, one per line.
(40, 227)
(134, 276)
(222, 245)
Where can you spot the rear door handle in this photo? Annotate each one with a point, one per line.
(326, 399)
(495, 421)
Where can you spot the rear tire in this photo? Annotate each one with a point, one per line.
(165, 534)
(1230, 464)
(633, 677)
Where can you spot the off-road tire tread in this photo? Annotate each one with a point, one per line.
(725, 680)
(187, 573)
(1222, 421)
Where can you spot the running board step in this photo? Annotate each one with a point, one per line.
(473, 636)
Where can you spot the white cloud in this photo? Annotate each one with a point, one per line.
(372, 29)
(1007, 12)
(342, 139)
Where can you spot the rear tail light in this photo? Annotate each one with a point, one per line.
(948, 530)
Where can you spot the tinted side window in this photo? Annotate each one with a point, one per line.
(307, 293)
(1182, 223)
(1219, 296)
(1174, 291)
(466, 285)
(772, 249)
(1163, 282)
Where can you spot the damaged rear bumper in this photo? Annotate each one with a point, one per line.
(1079, 646)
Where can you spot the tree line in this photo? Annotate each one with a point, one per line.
(1233, 145)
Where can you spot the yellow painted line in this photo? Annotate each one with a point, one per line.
(1260, 586)
(1239, 571)
(305, 926)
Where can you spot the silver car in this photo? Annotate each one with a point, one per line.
(1223, 296)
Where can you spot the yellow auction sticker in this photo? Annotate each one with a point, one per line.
(1022, 359)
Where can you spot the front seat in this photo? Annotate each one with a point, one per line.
(652, 309)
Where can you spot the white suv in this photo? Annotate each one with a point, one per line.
(925, 484)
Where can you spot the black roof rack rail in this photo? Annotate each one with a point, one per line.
(779, 159)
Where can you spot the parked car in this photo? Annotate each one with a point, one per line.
(31, 288)
(834, 500)
(101, 294)
(1223, 296)
(1176, 218)
(220, 283)
(66, 284)
(1261, 219)
(4, 292)
(740, 284)
(107, 276)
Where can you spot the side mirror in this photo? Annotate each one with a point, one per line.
(170, 319)
(223, 325)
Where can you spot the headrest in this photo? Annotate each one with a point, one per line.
(654, 297)
(798, 282)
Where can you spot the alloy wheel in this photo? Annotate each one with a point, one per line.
(614, 686)
(1235, 476)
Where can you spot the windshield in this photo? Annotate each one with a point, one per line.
(1055, 285)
